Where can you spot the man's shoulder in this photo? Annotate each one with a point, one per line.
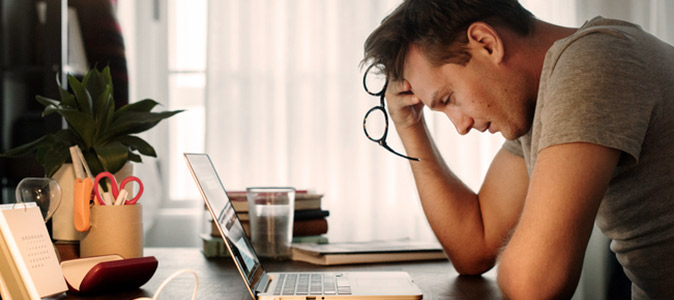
(600, 21)
(599, 36)
(599, 44)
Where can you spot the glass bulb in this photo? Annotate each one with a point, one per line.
(45, 192)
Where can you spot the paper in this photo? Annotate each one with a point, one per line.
(31, 249)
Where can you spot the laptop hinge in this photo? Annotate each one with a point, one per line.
(263, 283)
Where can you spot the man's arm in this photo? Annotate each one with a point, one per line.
(543, 260)
(471, 227)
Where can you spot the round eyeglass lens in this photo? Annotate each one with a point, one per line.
(375, 79)
(375, 124)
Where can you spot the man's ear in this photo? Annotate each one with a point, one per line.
(483, 39)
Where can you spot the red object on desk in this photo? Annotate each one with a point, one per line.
(114, 275)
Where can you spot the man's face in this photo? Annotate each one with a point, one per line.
(480, 95)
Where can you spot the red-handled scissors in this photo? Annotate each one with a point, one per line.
(115, 189)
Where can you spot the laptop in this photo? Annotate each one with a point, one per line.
(288, 285)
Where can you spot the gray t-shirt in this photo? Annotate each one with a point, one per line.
(612, 84)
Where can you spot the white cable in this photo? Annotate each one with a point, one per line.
(174, 275)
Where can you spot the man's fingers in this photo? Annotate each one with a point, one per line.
(403, 106)
(402, 99)
(409, 100)
(398, 87)
(405, 86)
(399, 93)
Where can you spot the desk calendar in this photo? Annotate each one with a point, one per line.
(29, 266)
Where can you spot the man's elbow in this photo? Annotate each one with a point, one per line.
(472, 266)
(522, 283)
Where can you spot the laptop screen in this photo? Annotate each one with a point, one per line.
(224, 215)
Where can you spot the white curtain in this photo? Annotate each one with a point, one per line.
(285, 106)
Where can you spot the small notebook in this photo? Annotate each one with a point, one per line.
(29, 266)
(367, 252)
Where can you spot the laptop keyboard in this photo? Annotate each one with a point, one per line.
(312, 284)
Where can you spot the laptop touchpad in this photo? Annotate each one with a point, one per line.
(385, 284)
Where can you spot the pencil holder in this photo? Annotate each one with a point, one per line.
(115, 229)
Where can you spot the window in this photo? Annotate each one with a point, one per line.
(186, 83)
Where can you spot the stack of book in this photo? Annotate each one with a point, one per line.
(309, 226)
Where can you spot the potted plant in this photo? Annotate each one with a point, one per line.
(105, 135)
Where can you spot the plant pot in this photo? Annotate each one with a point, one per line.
(63, 226)
(115, 229)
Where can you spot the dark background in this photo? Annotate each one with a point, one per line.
(31, 48)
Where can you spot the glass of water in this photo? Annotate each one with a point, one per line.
(271, 211)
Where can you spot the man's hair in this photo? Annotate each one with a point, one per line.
(439, 28)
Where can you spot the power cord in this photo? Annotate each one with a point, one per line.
(174, 275)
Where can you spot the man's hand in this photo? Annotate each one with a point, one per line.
(405, 108)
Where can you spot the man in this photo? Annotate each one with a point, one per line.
(588, 114)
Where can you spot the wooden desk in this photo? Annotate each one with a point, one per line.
(218, 278)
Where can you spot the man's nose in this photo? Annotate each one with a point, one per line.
(462, 122)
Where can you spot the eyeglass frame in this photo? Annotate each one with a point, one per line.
(381, 94)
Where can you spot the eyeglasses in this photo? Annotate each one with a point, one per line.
(372, 124)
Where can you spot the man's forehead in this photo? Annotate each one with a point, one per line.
(415, 62)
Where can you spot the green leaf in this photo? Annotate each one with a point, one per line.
(67, 99)
(112, 156)
(52, 156)
(107, 76)
(97, 81)
(52, 105)
(92, 160)
(135, 157)
(100, 90)
(86, 78)
(51, 150)
(81, 123)
(145, 105)
(69, 137)
(47, 102)
(104, 109)
(26, 149)
(49, 110)
(109, 117)
(81, 95)
(135, 122)
(136, 143)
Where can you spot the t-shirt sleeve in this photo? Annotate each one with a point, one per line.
(596, 93)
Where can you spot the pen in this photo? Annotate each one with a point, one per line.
(121, 198)
(107, 198)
